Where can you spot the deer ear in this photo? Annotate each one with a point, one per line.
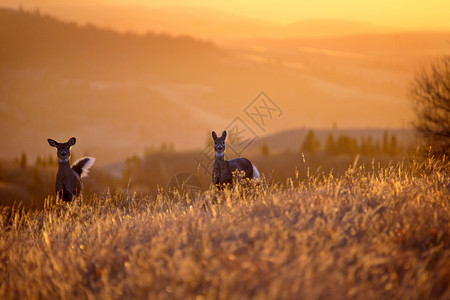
(72, 142)
(224, 135)
(214, 135)
(52, 143)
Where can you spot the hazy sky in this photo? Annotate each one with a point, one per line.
(403, 14)
(398, 13)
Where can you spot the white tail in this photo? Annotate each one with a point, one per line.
(256, 175)
(82, 166)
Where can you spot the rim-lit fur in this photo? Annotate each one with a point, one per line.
(223, 169)
(68, 179)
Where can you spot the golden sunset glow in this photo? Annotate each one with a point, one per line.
(172, 15)
(399, 14)
(327, 64)
(243, 149)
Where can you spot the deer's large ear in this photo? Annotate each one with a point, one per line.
(214, 135)
(72, 142)
(224, 135)
(52, 143)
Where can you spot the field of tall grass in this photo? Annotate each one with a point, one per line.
(373, 233)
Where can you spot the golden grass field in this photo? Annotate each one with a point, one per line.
(370, 234)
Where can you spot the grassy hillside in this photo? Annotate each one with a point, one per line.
(366, 235)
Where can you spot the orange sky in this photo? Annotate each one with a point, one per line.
(399, 14)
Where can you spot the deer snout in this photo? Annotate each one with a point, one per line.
(219, 148)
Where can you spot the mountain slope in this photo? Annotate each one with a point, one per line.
(119, 93)
(199, 21)
(38, 41)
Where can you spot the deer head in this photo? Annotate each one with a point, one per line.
(219, 143)
(63, 149)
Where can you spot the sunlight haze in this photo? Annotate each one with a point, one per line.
(399, 14)
(142, 66)
(394, 15)
(243, 149)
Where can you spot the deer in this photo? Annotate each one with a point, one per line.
(68, 179)
(223, 169)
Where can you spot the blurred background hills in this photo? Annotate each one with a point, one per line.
(120, 92)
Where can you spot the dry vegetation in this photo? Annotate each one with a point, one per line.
(367, 235)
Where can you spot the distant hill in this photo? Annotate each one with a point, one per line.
(34, 40)
(201, 22)
(112, 90)
(119, 93)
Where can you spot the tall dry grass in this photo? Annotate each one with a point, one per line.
(370, 234)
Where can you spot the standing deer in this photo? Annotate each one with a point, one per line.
(223, 169)
(68, 179)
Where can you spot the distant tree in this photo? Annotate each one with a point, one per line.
(311, 143)
(347, 145)
(51, 160)
(330, 145)
(132, 166)
(23, 161)
(430, 93)
(363, 149)
(394, 147)
(264, 150)
(370, 146)
(385, 143)
(377, 149)
(39, 161)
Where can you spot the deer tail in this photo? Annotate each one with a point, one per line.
(256, 173)
(81, 166)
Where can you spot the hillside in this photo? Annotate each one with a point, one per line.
(198, 21)
(37, 41)
(366, 235)
(60, 78)
(121, 92)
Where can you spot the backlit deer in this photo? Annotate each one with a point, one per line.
(68, 179)
(223, 169)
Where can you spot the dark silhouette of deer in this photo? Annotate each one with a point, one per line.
(223, 169)
(68, 179)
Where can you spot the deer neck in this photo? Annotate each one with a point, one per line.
(63, 165)
(220, 157)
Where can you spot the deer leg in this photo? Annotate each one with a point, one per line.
(66, 195)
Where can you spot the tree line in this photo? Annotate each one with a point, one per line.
(346, 145)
